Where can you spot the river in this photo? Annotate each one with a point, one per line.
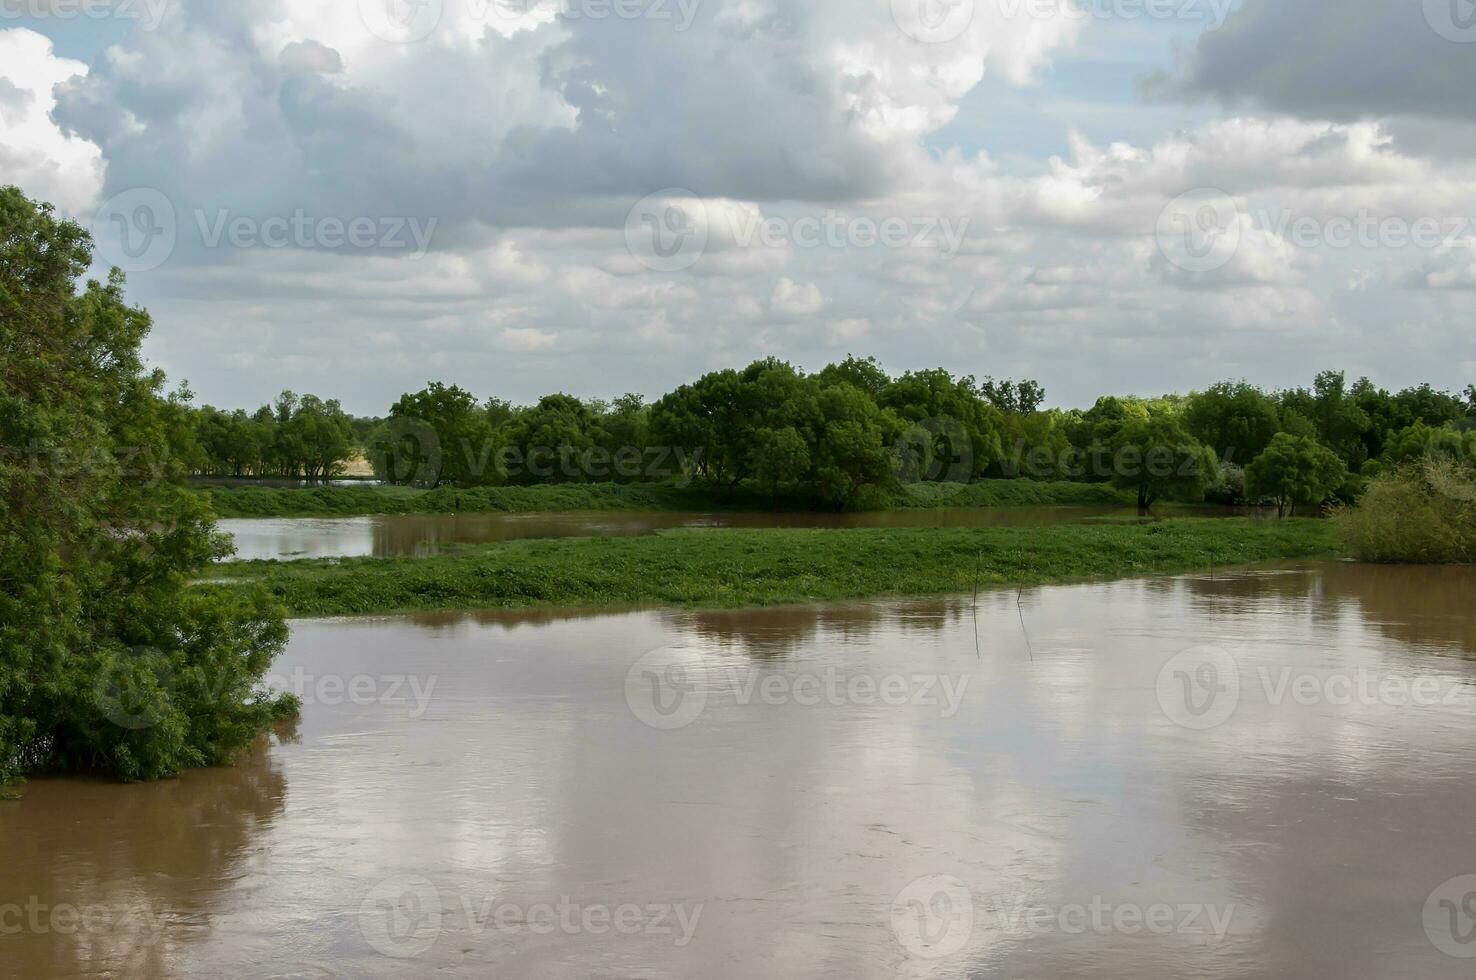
(1267, 773)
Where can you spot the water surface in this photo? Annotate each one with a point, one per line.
(750, 821)
(288, 538)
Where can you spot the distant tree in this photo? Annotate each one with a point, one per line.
(1294, 470)
(1038, 445)
(852, 452)
(947, 405)
(323, 437)
(437, 435)
(1337, 419)
(780, 457)
(1157, 458)
(551, 442)
(865, 374)
(500, 412)
(1420, 442)
(711, 418)
(1236, 420)
(1019, 398)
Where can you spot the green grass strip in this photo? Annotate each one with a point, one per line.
(729, 568)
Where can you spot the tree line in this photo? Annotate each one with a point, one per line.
(851, 435)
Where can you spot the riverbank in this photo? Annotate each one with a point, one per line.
(732, 568)
(331, 501)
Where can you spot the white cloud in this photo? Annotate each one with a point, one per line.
(528, 338)
(793, 299)
(34, 152)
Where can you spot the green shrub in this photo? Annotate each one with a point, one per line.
(1421, 513)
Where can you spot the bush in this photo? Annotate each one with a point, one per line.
(1421, 513)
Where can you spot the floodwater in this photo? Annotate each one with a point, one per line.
(290, 538)
(1260, 774)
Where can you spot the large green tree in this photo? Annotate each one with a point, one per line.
(1157, 458)
(1236, 420)
(1294, 470)
(440, 434)
(110, 661)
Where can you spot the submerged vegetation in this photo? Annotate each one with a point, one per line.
(728, 568)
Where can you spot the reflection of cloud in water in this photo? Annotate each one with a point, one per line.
(1060, 780)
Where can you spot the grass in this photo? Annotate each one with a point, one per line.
(730, 568)
(1015, 493)
(356, 501)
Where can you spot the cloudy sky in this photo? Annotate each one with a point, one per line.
(353, 197)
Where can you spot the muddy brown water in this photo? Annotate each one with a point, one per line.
(288, 538)
(1261, 774)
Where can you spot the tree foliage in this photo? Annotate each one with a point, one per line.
(109, 661)
(1295, 470)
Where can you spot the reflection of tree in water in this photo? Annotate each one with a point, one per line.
(775, 633)
(506, 618)
(769, 633)
(1418, 604)
(1422, 605)
(154, 856)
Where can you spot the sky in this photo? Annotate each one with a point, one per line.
(356, 197)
